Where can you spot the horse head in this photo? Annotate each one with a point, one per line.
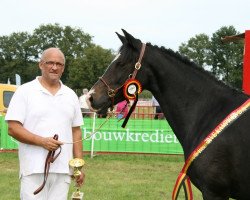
(109, 89)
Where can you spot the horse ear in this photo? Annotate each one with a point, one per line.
(136, 43)
(122, 38)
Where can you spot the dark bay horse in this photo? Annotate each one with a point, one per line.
(194, 103)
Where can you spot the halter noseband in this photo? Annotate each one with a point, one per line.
(112, 92)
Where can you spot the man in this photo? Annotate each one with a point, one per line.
(83, 104)
(38, 110)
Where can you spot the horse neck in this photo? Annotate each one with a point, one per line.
(193, 102)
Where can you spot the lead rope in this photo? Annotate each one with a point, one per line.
(51, 154)
(93, 133)
(49, 159)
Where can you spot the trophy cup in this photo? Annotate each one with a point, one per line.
(76, 164)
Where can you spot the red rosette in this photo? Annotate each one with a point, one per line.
(131, 87)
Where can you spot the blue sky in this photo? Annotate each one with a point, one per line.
(162, 22)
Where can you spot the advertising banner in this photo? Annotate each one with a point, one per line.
(6, 142)
(140, 135)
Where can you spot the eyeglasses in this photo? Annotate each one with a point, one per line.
(52, 63)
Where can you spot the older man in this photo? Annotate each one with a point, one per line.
(38, 110)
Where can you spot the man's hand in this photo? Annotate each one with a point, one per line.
(51, 144)
(80, 179)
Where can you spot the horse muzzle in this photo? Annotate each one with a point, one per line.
(97, 102)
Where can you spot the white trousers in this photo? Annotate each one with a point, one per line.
(56, 187)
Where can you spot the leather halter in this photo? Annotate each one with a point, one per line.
(50, 159)
(112, 92)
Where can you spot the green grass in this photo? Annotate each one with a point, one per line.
(111, 177)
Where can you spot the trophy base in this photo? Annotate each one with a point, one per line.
(77, 196)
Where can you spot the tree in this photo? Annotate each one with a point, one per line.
(226, 58)
(15, 56)
(20, 53)
(85, 71)
(223, 59)
(72, 42)
(197, 49)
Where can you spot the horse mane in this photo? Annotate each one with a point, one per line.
(192, 64)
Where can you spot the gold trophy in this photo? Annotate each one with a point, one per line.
(76, 164)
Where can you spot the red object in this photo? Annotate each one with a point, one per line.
(122, 108)
(121, 105)
(246, 64)
(131, 88)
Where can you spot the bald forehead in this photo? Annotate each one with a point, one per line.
(52, 52)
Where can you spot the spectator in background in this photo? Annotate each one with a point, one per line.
(158, 112)
(83, 104)
(122, 109)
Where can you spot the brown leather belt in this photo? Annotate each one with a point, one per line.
(50, 159)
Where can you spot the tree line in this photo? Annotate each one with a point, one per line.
(86, 61)
(224, 60)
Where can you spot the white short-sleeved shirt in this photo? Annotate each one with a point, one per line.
(83, 102)
(45, 114)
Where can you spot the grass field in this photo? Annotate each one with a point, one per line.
(111, 177)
